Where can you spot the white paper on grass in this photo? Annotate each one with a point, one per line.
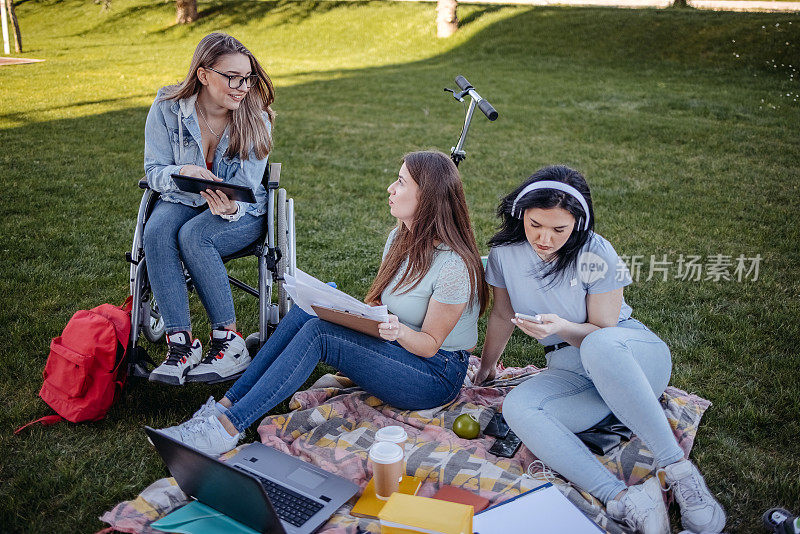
(305, 291)
(541, 511)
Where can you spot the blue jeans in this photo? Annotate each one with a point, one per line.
(622, 369)
(383, 368)
(176, 232)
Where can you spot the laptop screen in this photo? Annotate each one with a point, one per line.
(228, 490)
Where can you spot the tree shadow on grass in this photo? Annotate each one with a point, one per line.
(477, 14)
(21, 116)
(225, 13)
(291, 12)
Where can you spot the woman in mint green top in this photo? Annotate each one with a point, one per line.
(431, 279)
(446, 282)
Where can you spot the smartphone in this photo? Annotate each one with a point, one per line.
(506, 447)
(532, 318)
(497, 426)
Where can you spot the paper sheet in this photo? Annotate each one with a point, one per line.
(306, 290)
(542, 511)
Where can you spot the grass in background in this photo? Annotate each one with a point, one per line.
(684, 122)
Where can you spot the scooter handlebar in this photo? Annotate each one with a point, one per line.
(483, 104)
(487, 109)
(462, 83)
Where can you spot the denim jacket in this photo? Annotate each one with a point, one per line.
(172, 139)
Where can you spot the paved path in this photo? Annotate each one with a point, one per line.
(17, 60)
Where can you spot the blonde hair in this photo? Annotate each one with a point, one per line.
(248, 130)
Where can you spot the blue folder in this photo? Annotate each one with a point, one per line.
(197, 518)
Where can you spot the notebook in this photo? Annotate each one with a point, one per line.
(411, 514)
(543, 510)
(454, 494)
(369, 505)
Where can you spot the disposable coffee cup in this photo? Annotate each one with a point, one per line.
(392, 434)
(387, 468)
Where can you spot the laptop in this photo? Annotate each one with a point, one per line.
(260, 487)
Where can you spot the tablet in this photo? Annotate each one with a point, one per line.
(349, 320)
(190, 184)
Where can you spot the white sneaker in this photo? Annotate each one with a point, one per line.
(206, 434)
(227, 358)
(700, 511)
(182, 355)
(642, 508)
(209, 408)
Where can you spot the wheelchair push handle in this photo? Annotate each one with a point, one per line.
(482, 103)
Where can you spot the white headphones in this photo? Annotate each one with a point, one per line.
(560, 186)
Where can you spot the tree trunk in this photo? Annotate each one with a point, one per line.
(187, 11)
(446, 18)
(17, 34)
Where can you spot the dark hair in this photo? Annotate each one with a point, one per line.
(512, 229)
(441, 217)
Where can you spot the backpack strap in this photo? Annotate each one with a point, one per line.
(47, 420)
(121, 326)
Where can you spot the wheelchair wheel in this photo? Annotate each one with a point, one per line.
(153, 323)
(283, 248)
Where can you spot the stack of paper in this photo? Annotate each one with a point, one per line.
(541, 511)
(306, 291)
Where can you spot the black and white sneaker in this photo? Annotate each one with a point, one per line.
(227, 358)
(182, 355)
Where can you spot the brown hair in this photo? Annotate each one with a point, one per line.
(441, 217)
(248, 131)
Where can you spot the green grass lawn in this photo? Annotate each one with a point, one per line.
(685, 123)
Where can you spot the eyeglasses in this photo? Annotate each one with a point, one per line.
(236, 81)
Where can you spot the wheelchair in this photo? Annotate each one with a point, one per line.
(275, 258)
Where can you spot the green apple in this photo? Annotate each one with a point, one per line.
(466, 426)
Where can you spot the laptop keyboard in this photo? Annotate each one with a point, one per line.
(289, 505)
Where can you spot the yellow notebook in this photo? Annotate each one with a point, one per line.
(368, 505)
(411, 514)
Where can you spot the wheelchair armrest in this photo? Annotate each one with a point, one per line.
(143, 184)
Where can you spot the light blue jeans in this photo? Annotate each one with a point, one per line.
(383, 368)
(176, 232)
(621, 370)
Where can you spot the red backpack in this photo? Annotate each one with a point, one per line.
(87, 368)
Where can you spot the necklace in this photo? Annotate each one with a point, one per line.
(200, 109)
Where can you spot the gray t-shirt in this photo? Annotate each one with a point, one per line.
(447, 282)
(517, 268)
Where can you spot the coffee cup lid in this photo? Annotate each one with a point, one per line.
(393, 434)
(384, 452)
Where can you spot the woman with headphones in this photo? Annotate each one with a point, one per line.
(547, 264)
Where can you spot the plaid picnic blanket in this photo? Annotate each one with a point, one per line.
(334, 427)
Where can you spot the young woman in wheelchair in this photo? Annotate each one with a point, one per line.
(431, 280)
(216, 124)
(547, 262)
